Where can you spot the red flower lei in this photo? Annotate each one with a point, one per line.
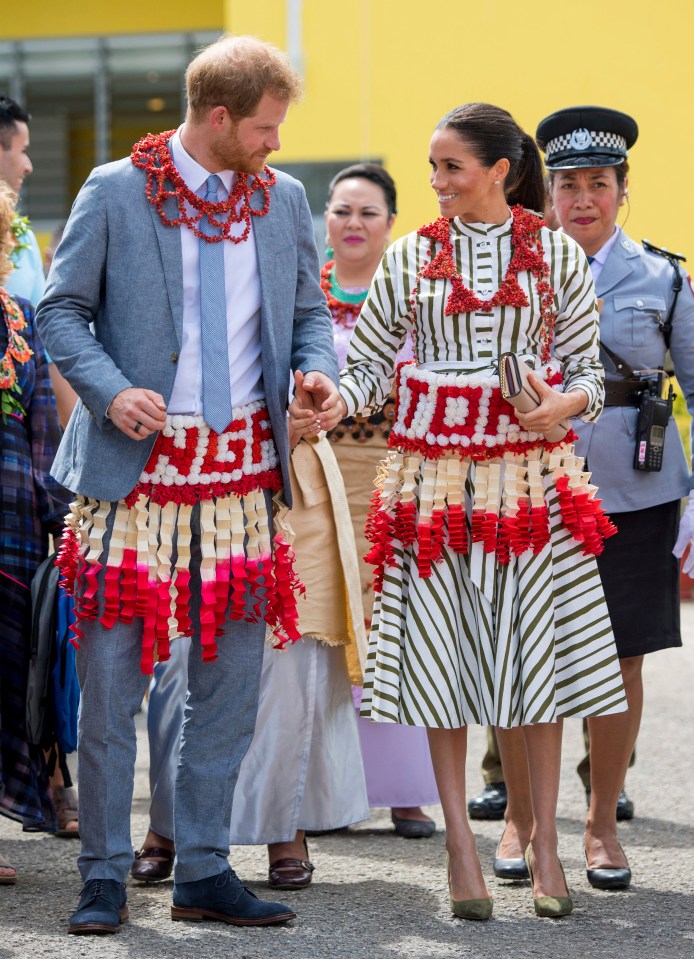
(345, 314)
(152, 155)
(17, 348)
(527, 256)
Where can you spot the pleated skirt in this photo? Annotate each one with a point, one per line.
(480, 642)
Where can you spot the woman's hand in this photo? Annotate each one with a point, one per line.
(316, 398)
(300, 426)
(554, 407)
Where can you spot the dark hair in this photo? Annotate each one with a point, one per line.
(374, 173)
(10, 114)
(492, 135)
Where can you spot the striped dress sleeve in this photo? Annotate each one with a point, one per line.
(576, 334)
(380, 331)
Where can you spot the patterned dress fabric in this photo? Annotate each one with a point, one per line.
(397, 762)
(480, 642)
(32, 504)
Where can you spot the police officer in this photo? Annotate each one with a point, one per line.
(646, 303)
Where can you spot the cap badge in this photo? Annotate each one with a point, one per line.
(580, 139)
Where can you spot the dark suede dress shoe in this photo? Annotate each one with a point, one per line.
(490, 804)
(102, 907)
(152, 864)
(625, 807)
(226, 899)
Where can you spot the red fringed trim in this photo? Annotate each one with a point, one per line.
(484, 530)
(208, 620)
(283, 616)
(128, 586)
(425, 549)
(505, 532)
(584, 518)
(379, 532)
(222, 582)
(405, 522)
(520, 541)
(431, 535)
(539, 528)
(267, 580)
(438, 534)
(182, 607)
(68, 559)
(237, 608)
(457, 529)
(111, 597)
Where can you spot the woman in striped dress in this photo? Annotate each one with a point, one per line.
(490, 608)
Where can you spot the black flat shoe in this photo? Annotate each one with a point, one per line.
(490, 804)
(608, 877)
(413, 828)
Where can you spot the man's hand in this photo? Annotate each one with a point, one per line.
(316, 397)
(138, 413)
(554, 407)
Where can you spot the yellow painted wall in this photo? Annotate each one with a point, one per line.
(70, 18)
(380, 73)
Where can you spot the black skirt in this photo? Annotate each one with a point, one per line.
(640, 577)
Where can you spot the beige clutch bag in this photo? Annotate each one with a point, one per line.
(516, 389)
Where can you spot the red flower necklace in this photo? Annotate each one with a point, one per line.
(152, 155)
(17, 351)
(344, 312)
(527, 256)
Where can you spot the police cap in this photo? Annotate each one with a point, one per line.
(586, 137)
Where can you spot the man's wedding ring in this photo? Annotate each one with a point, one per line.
(137, 427)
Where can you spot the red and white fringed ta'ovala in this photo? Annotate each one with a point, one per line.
(463, 471)
(245, 573)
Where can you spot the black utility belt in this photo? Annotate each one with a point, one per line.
(623, 393)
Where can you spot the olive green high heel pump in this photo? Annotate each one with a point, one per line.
(549, 907)
(469, 908)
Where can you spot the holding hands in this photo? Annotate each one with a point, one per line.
(317, 404)
(137, 412)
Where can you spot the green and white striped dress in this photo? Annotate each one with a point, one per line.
(532, 641)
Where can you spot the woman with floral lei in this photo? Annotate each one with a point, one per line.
(490, 608)
(32, 505)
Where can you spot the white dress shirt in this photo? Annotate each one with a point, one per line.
(600, 258)
(242, 287)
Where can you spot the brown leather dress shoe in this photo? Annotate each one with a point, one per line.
(152, 864)
(290, 874)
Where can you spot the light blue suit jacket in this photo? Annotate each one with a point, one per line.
(636, 289)
(119, 268)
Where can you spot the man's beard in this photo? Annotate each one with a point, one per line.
(231, 156)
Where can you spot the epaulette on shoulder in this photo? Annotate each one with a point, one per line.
(662, 251)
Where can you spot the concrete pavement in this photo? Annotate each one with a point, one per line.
(378, 896)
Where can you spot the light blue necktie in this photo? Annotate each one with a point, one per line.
(216, 392)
